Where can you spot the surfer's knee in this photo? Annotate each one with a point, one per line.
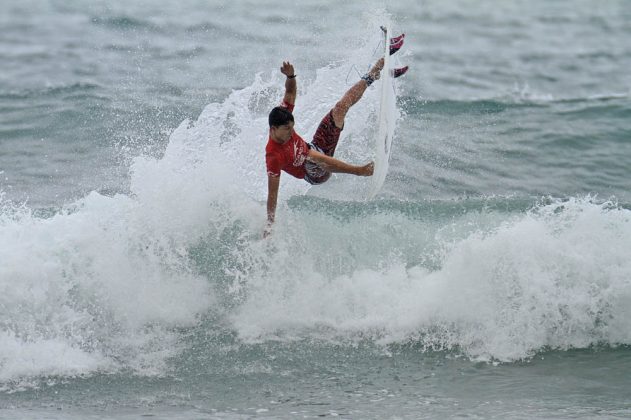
(339, 113)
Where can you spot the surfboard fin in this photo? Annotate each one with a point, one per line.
(396, 43)
(400, 71)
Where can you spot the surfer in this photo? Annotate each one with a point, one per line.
(313, 162)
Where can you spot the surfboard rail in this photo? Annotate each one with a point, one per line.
(382, 146)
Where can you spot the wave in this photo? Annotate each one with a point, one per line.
(52, 90)
(491, 286)
(125, 23)
(414, 105)
(89, 289)
(455, 107)
(111, 284)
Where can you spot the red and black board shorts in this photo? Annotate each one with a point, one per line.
(325, 141)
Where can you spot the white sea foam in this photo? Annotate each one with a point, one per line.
(557, 276)
(97, 287)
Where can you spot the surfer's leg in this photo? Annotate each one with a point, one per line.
(354, 94)
(324, 141)
(327, 135)
(328, 132)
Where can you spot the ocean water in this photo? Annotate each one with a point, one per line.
(490, 277)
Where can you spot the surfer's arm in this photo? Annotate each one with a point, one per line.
(290, 83)
(335, 165)
(273, 183)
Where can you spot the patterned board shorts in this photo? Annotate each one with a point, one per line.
(324, 141)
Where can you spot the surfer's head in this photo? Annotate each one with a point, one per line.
(281, 124)
(280, 116)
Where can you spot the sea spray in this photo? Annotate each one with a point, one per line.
(104, 283)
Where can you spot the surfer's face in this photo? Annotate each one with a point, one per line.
(282, 133)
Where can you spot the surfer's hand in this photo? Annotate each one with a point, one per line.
(375, 71)
(366, 170)
(287, 69)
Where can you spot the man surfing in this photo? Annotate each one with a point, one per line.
(313, 162)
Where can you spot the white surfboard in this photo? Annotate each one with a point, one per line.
(387, 119)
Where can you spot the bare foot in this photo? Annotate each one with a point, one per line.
(375, 71)
(366, 170)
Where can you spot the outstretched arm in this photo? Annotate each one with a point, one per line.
(335, 165)
(290, 83)
(273, 182)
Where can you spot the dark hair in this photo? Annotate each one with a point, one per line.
(280, 116)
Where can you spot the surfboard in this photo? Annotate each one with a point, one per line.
(386, 121)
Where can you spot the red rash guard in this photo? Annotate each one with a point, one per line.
(289, 157)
